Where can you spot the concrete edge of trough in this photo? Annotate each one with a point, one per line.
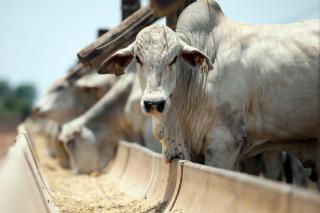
(22, 183)
(192, 187)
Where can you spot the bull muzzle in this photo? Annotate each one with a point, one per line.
(38, 112)
(150, 106)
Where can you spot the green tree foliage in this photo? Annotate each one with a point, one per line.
(16, 102)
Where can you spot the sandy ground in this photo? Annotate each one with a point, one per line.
(88, 193)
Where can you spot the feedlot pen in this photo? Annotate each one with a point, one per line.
(137, 180)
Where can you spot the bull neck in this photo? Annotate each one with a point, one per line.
(186, 122)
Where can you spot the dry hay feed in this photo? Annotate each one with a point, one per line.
(88, 193)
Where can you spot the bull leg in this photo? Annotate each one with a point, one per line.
(299, 174)
(288, 173)
(222, 148)
(253, 165)
(307, 153)
(273, 164)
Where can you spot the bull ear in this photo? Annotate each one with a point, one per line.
(196, 59)
(118, 62)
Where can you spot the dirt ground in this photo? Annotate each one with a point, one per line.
(8, 132)
(88, 193)
(6, 139)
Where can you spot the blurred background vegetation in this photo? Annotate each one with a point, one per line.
(16, 101)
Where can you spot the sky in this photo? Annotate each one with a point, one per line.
(39, 39)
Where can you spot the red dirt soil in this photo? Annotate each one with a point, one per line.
(8, 132)
(6, 139)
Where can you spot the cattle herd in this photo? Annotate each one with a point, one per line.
(214, 91)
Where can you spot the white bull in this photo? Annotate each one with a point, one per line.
(66, 99)
(222, 90)
(90, 139)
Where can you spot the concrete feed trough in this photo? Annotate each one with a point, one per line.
(143, 176)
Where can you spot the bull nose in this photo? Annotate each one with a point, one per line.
(150, 105)
(71, 144)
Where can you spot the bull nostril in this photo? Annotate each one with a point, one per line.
(71, 144)
(160, 105)
(147, 105)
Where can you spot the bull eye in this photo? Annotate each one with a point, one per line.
(139, 60)
(173, 61)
